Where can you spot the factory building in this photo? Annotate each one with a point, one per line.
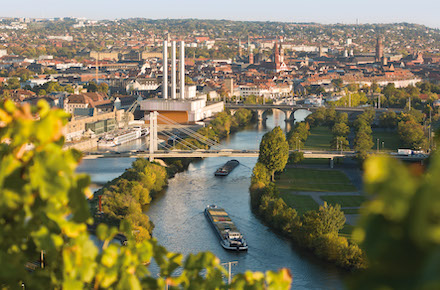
(183, 105)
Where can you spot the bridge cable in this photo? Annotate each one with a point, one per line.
(183, 142)
(192, 133)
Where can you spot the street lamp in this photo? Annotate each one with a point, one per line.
(377, 146)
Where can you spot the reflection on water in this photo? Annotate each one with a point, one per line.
(181, 226)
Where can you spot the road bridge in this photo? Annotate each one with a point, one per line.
(201, 153)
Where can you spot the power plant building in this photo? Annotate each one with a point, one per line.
(182, 107)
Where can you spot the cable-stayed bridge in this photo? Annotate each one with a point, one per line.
(186, 149)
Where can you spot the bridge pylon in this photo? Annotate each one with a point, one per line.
(261, 115)
(289, 115)
(153, 146)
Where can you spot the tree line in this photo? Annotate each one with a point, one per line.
(125, 197)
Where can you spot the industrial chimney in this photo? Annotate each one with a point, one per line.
(182, 70)
(173, 70)
(165, 70)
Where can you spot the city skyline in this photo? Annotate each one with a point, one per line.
(318, 11)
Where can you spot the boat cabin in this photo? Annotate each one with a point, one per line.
(234, 235)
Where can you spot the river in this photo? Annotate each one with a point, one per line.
(181, 226)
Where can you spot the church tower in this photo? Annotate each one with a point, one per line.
(276, 57)
(281, 53)
(379, 49)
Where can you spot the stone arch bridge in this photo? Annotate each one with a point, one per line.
(262, 109)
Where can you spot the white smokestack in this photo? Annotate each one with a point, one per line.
(182, 70)
(173, 70)
(165, 70)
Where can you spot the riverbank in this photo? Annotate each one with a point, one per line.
(125, 197)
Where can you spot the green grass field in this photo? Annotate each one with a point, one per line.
(301, 179)
(351, 211)
(315, 161)
(319, 139)
(391, 140)
(302, 203)
(344, 200)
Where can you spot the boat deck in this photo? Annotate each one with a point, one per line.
(222, 220)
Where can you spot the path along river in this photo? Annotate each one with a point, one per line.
(181, 226)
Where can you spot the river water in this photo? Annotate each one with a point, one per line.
(181, 226)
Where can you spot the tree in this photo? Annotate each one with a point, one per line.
(341, 129)
(412, 135)
(339, 83)
(388, 119)
(274, 151)
(328, 219)
(319, 116)
(44, 203)
(92, 87)
(363, 141)
(341, 118)
(296, 157)
(298, 135)
(340, 143)
(103, 88)
(189, 81)
(13, 83)
(330, 116)
(260, 176)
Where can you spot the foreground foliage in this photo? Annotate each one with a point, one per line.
(400, 227)
(44, 212)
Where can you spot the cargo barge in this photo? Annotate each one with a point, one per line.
(230, 236)
(227, 168)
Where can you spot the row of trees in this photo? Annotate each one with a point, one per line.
(363, 140)
(351, 99)
(297, 137)
(49, 87)
(340, 132)
(124, 197)
(318, 230)
(409, 127)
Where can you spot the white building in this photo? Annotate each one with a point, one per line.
(314, 101)
(143, 84)
(35, 82)
(182, 111)
(265, 91)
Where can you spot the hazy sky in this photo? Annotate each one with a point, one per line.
(323, 11)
